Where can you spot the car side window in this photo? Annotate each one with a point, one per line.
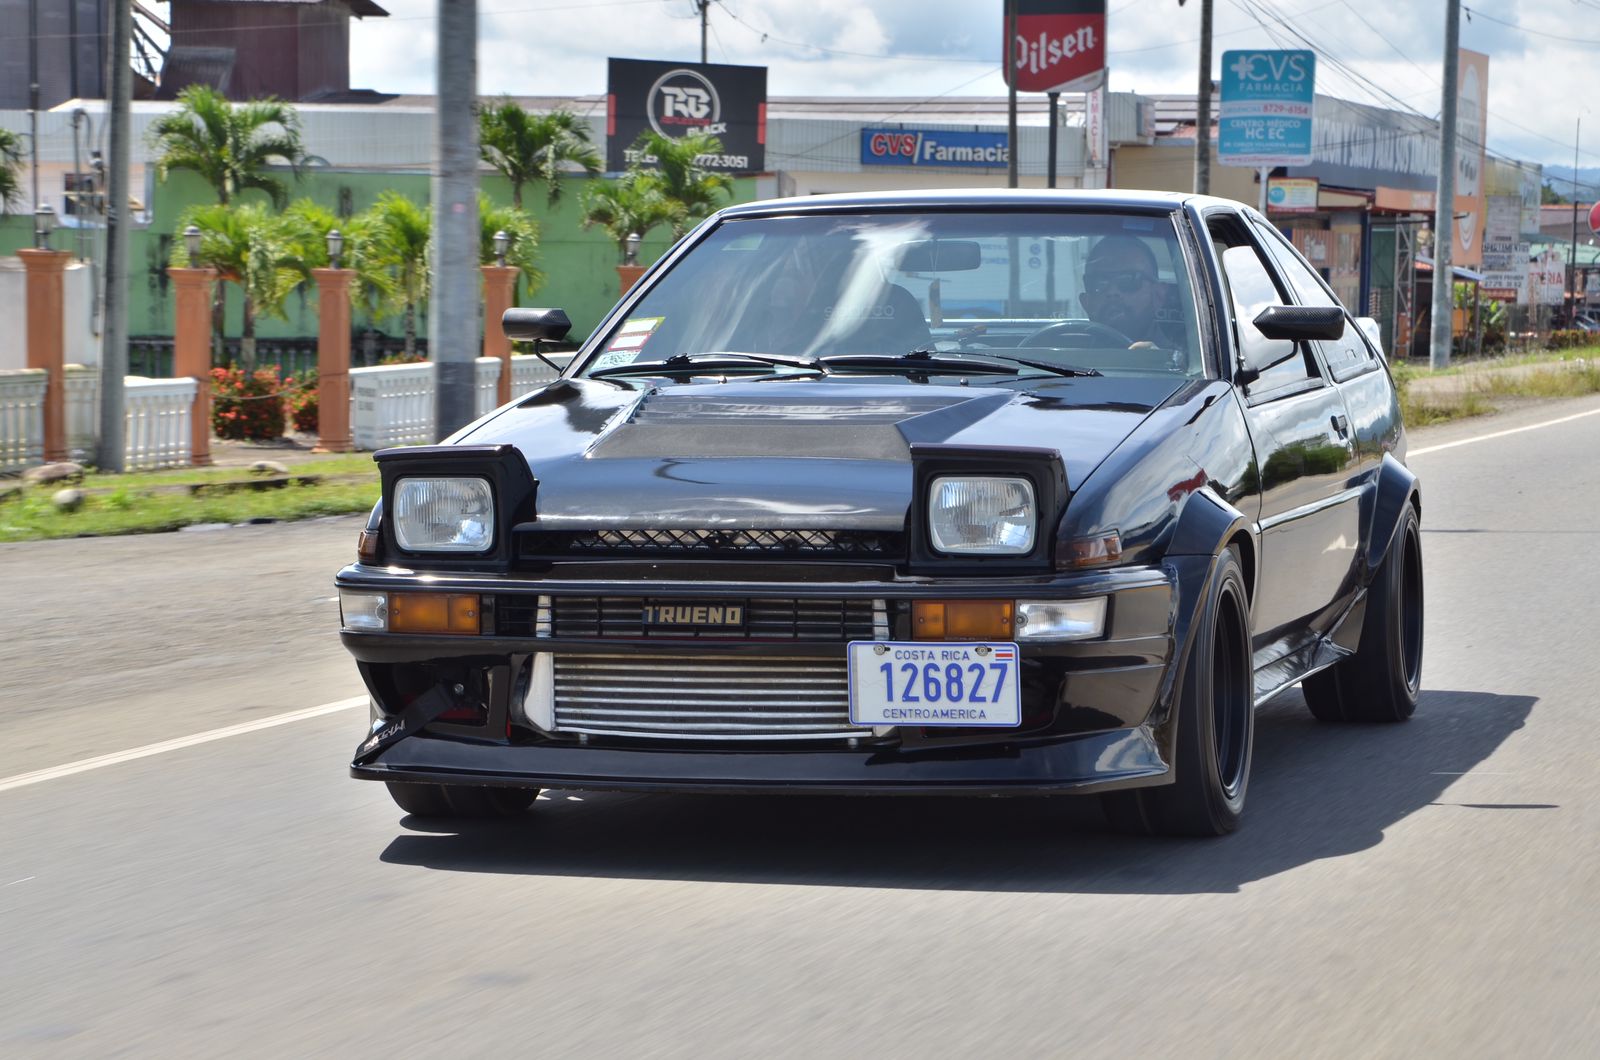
(1348, 356)
(1252, 288)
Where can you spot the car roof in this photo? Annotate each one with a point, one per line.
(975, 199)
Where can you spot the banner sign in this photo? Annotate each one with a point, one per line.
(1505, 253)
(1060, 45)
(679, 99)
(1266, 111)
(1472, 113)
(1291, 195)
(1547, 278)
(930, 147)
(1094, 105)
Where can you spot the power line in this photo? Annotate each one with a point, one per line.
(767, 35)
(1524, 29)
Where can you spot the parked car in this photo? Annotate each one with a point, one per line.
(957, 492)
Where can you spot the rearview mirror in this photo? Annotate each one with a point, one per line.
(532, 325)
(1301, 323)
(939, 255)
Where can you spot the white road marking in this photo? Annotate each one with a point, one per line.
(1502, 434)
(24, 879)
(39, 776)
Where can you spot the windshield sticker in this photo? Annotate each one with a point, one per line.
(749, 242)
(615, 360)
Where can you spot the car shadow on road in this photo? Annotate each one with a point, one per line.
(1317, 791)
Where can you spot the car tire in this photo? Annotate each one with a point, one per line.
(1215, 716)
(455, 800)
(1380, 682)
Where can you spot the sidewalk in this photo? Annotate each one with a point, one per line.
(291, 449)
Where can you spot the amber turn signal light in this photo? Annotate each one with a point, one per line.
(367, 546)
(962, 619)
(434, 613)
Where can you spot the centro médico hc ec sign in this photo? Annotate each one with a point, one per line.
(928, 147)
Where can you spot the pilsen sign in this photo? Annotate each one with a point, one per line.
(1059, 46)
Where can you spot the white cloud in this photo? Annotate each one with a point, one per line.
(560, 46)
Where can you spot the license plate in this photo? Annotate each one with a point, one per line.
(934, 683)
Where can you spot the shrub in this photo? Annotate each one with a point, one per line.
(246, 405)
(1570, 338)
(301, 398)
(401, 357)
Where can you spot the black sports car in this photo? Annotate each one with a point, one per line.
(990, 493)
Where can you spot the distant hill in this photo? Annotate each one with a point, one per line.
(1560, 178)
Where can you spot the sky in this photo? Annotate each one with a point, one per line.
(1541, 51)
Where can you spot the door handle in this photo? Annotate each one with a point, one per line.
(1342, 425)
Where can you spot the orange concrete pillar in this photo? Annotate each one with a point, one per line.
(629, 275)
(333, 359)
(499, 283)
(47, 339)
(191, 352)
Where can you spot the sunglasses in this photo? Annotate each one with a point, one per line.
(1125, 281)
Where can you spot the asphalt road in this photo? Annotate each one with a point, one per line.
(1424, 889)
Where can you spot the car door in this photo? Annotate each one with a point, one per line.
(1310, 525)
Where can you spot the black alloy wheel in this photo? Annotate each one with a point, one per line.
(1381, 681)
(461, 801)
(1215, 716)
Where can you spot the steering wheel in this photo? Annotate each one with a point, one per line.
(1086, 328)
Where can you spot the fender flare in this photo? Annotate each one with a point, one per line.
(1396, 487)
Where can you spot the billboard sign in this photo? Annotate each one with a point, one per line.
(1472, 114)
(1267, 103)
(1291, 195)
(1547, 278)
(1060, 45)
(679, 99)
(931, 147)
(1505, 252)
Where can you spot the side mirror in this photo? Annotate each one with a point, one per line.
(1301, 323)
(532, 325)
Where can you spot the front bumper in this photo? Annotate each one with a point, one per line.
(1093, 710)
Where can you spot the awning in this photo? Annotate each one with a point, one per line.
(1455, 270)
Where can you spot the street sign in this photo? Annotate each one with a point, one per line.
(1060, 45)
(1291, 195)
(1267, 103)
(1594, 218)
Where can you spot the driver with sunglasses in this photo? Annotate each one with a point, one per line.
(1122, 291)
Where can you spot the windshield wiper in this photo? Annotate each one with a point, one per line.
(695, 363)
(922, 359)
(1046, 366)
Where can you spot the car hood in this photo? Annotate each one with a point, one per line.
(786, 454)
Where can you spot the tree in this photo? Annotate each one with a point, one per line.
(523, 249)
(681, 178)
(311, 223)
(229, 145)
(400, 233)
(1549, 196)
(10, 170)
(528, 148)
(628, 205)
(252, 248)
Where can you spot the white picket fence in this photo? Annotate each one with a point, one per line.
(389, 405)
(392, 404)
(156, 430)
(21, 417)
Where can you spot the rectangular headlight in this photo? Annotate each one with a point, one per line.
(982, 515)
(444, 514)
(1061, 619)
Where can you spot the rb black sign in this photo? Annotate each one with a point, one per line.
(680, 99)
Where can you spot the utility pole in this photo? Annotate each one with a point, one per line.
(1444, 218)
(1011, 93)
(114, 336)
(704, 6)
(456, 282)
(1572, 254)
(1202, 106)
(1055, 118)
(33, 97)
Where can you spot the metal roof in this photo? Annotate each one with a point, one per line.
(358, 8)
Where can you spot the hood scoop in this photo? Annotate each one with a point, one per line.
(667, 408)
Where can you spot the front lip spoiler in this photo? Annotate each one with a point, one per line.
(1096, 762)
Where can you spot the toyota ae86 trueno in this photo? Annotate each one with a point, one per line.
(987, 493)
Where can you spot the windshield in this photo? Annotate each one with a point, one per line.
(1087, 290)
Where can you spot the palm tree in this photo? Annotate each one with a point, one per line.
(680, 177)
(523, 250)
(229, 145)
(527, 148)
(400, 233)
(628, 205)
(10, 167)
(252, 248)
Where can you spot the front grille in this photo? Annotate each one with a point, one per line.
(718, 543)
(798, 620)
(703, 697)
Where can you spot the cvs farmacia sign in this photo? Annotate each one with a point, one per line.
(1059, 46)
(930, 147)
